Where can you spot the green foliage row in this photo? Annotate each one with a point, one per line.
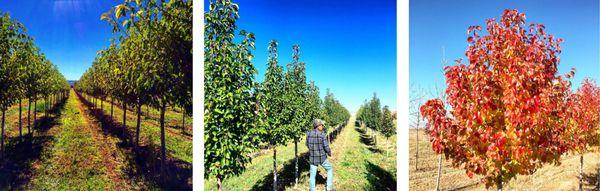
(373, 116)
(240, 113)
(150, 60)
(25, 72)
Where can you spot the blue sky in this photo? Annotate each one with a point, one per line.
(69, 32)
(443, 23)
(348, 46)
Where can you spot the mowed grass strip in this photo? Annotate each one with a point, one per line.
(74, 162)
(179, 146)
(356, 167)
(12, 117)
(359, 163)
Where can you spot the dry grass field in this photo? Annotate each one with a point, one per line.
(549, 177)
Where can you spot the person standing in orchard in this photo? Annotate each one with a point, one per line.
(318, 148)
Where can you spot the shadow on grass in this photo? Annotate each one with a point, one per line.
(285, 176)
(145, 162)
(368, 141)
(591, 179)
(379, 178)
(16, 168)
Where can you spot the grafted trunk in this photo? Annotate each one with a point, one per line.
(163, 147)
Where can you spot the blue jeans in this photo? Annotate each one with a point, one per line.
(313, 175)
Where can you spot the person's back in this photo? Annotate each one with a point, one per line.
(317, 146)
(318, 149)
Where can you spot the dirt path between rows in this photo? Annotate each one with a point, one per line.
(113, 157)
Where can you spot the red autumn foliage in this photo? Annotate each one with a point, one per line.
(585, 112)
(509, 104)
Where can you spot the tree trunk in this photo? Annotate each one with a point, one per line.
(219, 183)
(20, 122)
(296, 157)
(499, 183)
(137, 126)
(163, 147)
(124, 121)
(417, 153)
(45, 105)
(2, 136)
(581, 172)
(387, 150)
(439, 175)
(111, 107)
(274, 168)
(374, 138)
(183, 123)
(34, 112)
(29, 117)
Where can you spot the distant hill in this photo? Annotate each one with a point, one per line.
(71, 82)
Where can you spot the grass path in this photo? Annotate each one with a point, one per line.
(358, 165)
(80, 158)
(179, 144)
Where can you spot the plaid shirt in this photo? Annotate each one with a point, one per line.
(318, 147)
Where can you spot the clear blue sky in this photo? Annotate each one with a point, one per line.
(68, 32)
(437, 23)
(348, 46)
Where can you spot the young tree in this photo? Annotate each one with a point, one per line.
(10, 31)
(229, 99)
(295, 96)
(388, 128)
(416, 119)
(374, 120)
(274, 103)
(585, 111)
(508, 104)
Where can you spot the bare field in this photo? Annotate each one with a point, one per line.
(550, 177)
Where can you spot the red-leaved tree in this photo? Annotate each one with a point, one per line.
(508, 104)
(585, 112)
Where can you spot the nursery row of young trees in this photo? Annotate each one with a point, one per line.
(25, 74)
(148, 63)
(240, 113)
(372, 116)
(511, 112)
